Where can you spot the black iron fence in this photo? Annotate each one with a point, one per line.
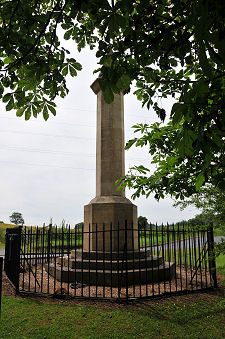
(104, 261)
(12, 255)
(114, 261)
(1, 271)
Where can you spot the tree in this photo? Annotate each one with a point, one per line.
(211, 202)
(142, 222)
(16, 218)
(200, 220)
(169, 48)
(79, 226)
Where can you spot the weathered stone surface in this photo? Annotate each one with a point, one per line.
(109, 144)
(122, 276)
(109, 207)
(110, 217)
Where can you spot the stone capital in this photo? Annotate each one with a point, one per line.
(95, 86)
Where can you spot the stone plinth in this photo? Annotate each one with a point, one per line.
(107, 215)
(110, 269)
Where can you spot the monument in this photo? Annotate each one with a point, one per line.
(111, 254)
(110, 206)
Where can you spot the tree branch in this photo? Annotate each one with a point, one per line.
(35, 45)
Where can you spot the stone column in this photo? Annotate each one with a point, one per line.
(110, 143)
(109, 207)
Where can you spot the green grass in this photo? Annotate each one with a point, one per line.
(27, 318)
(220, 265)
(55, 242)
(3, 227)
(2, 233)
(219, 231)
(152, 237)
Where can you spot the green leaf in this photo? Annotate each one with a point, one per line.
(52, 109)
(108, 95)
(45, 113)
(65, 70)
(8, 60)
(199, 181)
(67, 34)
(106, 61)
(162, 114)
(28, 113)
(7, 97)
(77, 65)
(20, 111)
(73, 71)
(123, 82)
(116, 22)
(130, 143)
(185, 143)
(177, 112)
(10, 104)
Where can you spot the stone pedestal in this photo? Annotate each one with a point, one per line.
(110, 269)
(107, 216)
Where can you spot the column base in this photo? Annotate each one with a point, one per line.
(112, 269)
(110, 224)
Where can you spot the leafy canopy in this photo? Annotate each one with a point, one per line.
(142, 222)
(16, 218)
(211, 202)
(169, 48)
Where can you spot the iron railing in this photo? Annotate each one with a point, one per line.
(114, 262)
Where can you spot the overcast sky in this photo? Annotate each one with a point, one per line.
(48, 168)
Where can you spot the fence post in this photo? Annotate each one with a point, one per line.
(126, 266)
(212, 259)
(49, 242)
(17, 285)
(1, 270)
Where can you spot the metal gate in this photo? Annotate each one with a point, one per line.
(12, 255)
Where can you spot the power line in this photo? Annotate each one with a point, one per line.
(36, 150)
(75, 109)
(88, 110)
(52, 122)
(127, 114)
(45, 165)
(49, 135)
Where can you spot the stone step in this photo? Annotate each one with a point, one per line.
(151, 261)
(93, 255)
(163, 272)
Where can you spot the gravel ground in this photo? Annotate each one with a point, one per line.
(45, 283)
(144, 304)
(49, 285)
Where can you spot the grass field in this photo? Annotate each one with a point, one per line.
(27, 318)
(146, 237)
(2, 233)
